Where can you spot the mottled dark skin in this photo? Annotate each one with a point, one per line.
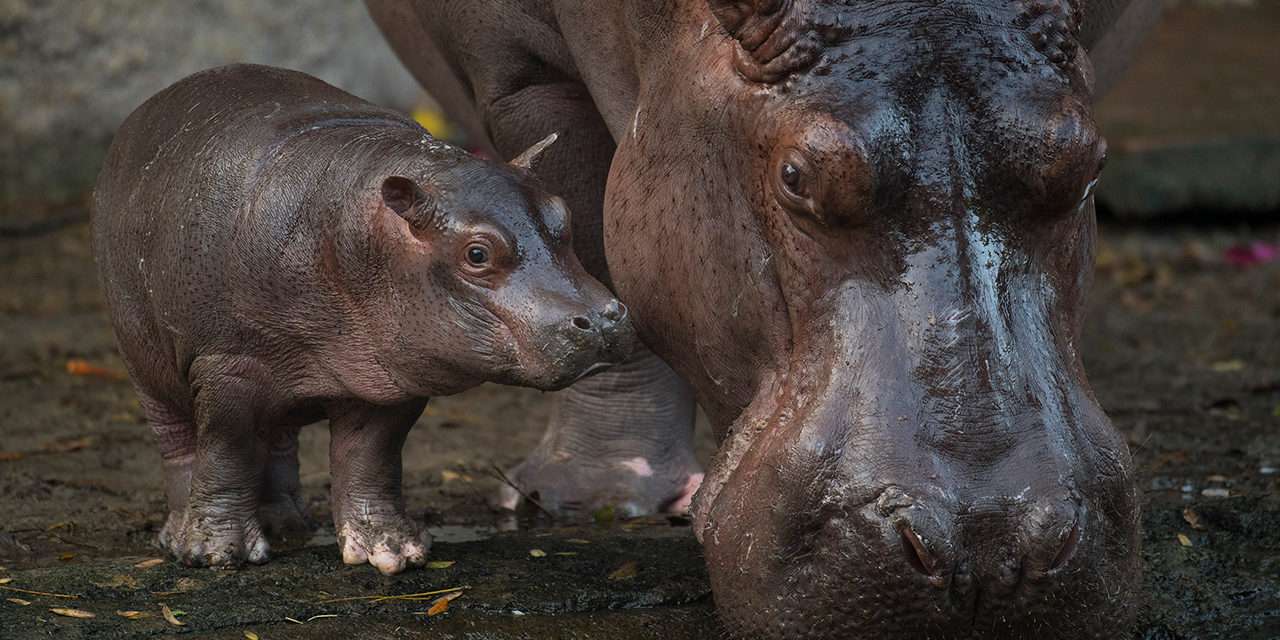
(863, 232)
(275, 251)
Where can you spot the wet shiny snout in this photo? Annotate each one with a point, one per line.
(606, 321)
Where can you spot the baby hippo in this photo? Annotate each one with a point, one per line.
(275, 251)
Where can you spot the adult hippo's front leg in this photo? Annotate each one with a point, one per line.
(622, 438)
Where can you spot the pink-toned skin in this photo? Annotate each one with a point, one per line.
(275, 252)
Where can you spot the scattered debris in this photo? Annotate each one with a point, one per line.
(441, 604)
(1193, 518)
(1216, 478)
(441, 564)
(66, 555)
(147, 564)
(171, 616)
(6, 580)
(118, 581)
(322, 616)
(78, 367)
(19, 601)
(538, 553)
(133, 615)
(1228, 366)
(10, 456)
(424, 595)
(1184, 540)
(73, 613)
(1216, 492)
(566, 553)
(627, 571)
(41, 593)
(605, 515)
(577, 541)
(249, 635)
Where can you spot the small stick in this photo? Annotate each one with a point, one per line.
(403, 596)
(40, 593)
(503, 477)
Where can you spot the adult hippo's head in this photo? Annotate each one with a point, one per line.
(863, 230)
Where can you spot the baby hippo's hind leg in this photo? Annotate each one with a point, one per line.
(368, 504)
(175, 435)
(219, 526)
(280, 508)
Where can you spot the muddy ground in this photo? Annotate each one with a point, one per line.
(1183, 350)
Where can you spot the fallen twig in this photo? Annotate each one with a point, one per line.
(41, 593)
(404, 596)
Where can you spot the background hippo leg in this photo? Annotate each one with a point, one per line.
(219, 526)
(623, 438)
(280, 507)
(368, 506)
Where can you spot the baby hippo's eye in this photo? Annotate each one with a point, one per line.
(477, 255)
(791, 179)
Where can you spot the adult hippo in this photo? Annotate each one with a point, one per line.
(862, 232)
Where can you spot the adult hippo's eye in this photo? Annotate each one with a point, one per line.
(477, 255)
(794, 184)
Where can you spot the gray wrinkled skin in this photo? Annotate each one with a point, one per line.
(275, 251)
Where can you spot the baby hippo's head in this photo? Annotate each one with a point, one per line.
(485, 283)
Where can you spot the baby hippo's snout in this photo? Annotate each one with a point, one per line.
(582, 333)
(606, 322)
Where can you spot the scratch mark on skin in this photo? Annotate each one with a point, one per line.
(635, 122)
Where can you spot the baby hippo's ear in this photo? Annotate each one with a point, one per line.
(402, 195)
(525, 160)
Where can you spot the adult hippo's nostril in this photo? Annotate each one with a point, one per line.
(918, 555)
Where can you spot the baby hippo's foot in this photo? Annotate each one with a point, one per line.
(389, 543)
(570, 487)
(221, 540)
(283, 516)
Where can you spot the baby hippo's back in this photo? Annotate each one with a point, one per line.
(218, 186)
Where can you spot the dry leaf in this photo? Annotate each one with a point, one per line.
(627, 571)
(1227, 366)
(441, 604)
(73, 613)
(441, 564)
(249, 635)
(78, 367)
(1184, 540)
(147, 564)
(1193, 519)
(117, 581)
(538, 553)
(449, 476)
(6, 580)
(170, 617)
(67, 556)
(577, 541)
(67, 446)
(133, 615)
(19, 601)
(9, 456)
(566, 553)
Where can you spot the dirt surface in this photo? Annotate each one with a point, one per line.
(1183, 350)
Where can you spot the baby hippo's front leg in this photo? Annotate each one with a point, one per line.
(368, 504)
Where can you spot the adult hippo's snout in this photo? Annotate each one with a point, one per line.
(935, 462)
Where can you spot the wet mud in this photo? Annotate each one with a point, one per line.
(1182, 347)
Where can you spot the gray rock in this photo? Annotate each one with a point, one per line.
(70, 71)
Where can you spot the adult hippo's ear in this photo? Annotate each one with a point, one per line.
(774, 36)
(525, 160)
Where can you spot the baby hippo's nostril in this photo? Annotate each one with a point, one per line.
(582, 322)
(615, 311)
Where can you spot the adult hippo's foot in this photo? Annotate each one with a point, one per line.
(620, 439)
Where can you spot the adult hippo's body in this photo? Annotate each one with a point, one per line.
(862, 232)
